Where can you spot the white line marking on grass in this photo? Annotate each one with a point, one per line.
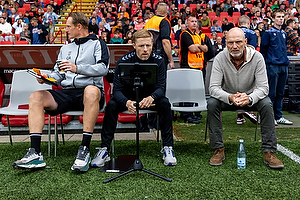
(288, 153)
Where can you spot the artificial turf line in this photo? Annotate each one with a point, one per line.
(288, 153)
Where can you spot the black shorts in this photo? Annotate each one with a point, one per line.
(70, 100)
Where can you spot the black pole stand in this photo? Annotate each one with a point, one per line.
(137, 165)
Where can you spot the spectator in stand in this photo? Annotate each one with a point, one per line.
(36, 4)
(102, 29)
(275, 5)
(293, 42)
(172, 9)
(260, 28)
(182, 10)
(6, 9)
(239, 5)
(93, 27)
(245, 8)
(38, 32)
(227, 5)
(258, 37)
(14, 15)
(106, 25)
(27, 15)
(123, 10)
(297, 4)
(21, 16)
(131, 27)
(147, 13)
(254, 24)
(6, 18)
(49, 21)
(174, 20)
(104, 37)
(263, 13)
(212, 3)
(116, 39)
(213, 37)
(218, 46)
(128, 37)
(32, 11)
(208, 8)
(215, 27)
(178, 33)
(125, 26)
(258, 17)
(140, 23)
(5, 27)
(187, 13)
(25, 34)
(40, 15)
(177, 26)
(282, 7)
(18, 26)
(148, 7)
(220, 9)
(297, 14)
(42, 3)
(251, 14)
(118, 27)
(232, 9)
(176, 51)
(97, 18)
(205, 20)
(110, 20)
(54, 5)
(216, 5)
(293, 9)
(224, 37)
(226, 26)
(244, 24)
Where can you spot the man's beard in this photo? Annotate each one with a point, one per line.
(236, 55)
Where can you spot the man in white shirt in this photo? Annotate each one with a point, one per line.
(5, 27)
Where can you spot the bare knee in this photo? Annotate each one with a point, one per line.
(91, 94)
(38, 97)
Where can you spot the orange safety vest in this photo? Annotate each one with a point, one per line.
(194, 60)
(154, 22)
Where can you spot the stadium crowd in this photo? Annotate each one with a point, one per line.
(116, 22)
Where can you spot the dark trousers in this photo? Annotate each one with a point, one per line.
(265, 109)
(113, 108)
(277, 76)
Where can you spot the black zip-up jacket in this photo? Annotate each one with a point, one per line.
(123, 92)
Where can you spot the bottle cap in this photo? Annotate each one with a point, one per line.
(241, 140)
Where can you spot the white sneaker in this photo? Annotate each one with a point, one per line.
(284, 121)
(100, 158)
(275, 122)
(83, 159)
(168, 156)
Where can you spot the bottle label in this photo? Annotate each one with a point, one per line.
(241, 162)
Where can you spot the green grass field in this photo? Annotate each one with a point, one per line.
(193, 177)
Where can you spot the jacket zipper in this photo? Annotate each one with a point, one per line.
(75, 64)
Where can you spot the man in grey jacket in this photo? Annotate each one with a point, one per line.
(84, 62)
(239, 81)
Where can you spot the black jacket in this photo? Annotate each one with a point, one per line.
(123, 92)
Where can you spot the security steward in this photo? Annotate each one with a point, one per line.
(191, 55)
(160, 27)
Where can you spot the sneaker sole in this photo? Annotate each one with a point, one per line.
(95, 165)
(29, 166)
(170, 164)
(274, 166)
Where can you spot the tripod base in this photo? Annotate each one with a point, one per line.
(137, 166)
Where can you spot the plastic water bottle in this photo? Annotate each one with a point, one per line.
(241, 156)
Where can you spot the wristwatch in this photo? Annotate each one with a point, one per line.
(250, 99)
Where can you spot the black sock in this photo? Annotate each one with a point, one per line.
(240, 115)
(86, 139)
(35, 139)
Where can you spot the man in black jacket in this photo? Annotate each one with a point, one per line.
(124, 99)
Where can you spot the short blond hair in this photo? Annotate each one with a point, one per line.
(142, 33)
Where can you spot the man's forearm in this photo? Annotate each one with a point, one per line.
(167, 48)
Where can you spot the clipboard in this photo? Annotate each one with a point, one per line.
(31, 72)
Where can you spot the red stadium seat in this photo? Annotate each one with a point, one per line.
(6, 43)
(21, 42)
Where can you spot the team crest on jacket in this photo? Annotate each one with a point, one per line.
(283, 35)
